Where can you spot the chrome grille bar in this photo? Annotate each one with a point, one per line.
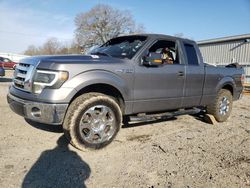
(23, 68)
(22, 76)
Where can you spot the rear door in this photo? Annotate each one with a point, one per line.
(194, 76)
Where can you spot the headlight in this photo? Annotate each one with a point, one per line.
(51, 79)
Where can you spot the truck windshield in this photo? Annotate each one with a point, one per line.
(121, 47)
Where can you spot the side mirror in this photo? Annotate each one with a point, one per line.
(152, 60)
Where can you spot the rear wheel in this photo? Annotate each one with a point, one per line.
(92, 120)
(222, 106)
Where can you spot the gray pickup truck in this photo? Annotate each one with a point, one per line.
(91, 94)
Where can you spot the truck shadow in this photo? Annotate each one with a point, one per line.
(125, 124)
(200, 117)
(58, 167)
(45, 127)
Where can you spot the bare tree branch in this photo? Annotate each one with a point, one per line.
(102, 23)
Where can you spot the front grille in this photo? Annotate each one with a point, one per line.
(22, 76)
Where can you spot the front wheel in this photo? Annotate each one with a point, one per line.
(222, 106)
(92, 120)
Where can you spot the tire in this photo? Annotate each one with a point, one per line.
(222, 106)
(92, 121)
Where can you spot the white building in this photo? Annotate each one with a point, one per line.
(222, 51)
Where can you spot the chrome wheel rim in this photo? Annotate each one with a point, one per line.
(224, 106)
(97, 125)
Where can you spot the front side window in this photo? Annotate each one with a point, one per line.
(191, 54)
(122, 47)
(167, 50)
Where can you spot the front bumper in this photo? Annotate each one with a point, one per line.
(37, 111)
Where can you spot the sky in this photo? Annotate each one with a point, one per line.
(32, 22)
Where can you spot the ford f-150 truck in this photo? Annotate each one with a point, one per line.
(91, 94)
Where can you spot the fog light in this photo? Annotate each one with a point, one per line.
(38, 88)
(36, 112)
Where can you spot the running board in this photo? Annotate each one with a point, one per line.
(166, 115)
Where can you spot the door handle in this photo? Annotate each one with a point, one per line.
(180, 73)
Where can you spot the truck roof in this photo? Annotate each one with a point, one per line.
(152, 35)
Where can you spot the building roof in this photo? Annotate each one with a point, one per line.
(225, 39)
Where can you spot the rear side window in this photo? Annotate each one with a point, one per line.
(191, 54)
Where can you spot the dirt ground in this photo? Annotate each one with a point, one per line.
(181, 152)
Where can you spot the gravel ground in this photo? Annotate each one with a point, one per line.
(181, 152)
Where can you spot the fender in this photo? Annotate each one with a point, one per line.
(91, 77)
(226, 81)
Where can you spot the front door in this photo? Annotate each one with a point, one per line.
(161, 87)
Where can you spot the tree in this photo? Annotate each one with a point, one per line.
(32, 50)
(102, 23)
(70, 48)
(52, 46)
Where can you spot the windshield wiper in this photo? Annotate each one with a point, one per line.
(101, 53)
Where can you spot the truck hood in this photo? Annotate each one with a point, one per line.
(62, 61)
(75, 58)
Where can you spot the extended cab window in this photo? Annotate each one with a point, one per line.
(167, 50)
(191, 54)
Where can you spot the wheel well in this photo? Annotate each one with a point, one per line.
(104, 89)
(229, 88)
